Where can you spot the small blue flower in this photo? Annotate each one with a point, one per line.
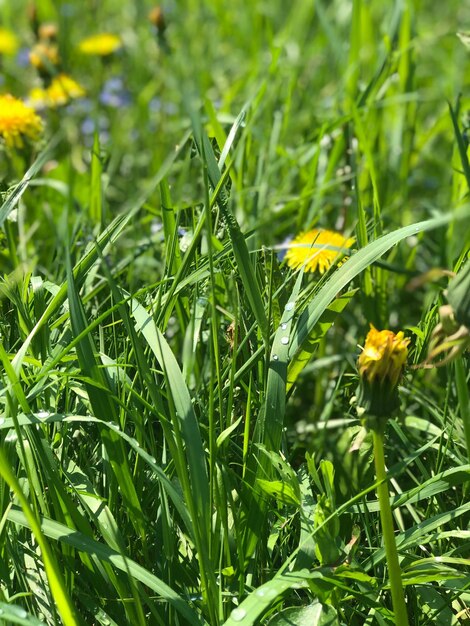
(114, 93)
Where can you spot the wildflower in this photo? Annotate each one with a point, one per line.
(316, 249)
(37, 98)
(18, 122)
(8, 42)
(102, 44)
(381, 365)
(114, 94)
(61, 90)
(64, 88)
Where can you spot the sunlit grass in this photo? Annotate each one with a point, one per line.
(180, 434)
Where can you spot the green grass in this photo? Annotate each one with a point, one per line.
(166, 457)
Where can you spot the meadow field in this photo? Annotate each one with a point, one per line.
(235, 313)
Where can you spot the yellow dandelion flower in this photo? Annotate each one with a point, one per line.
(62, 89)
(316, 249)
(381, 364)
(102, 44)
(37, 98)
(383, 357)
(8, 42)
(18, 122)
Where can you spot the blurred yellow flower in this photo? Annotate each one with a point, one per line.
(383, 357)
(44, 56)
(18, 122)
(48, 31)
(62, 89)
(8, 42)
(316, 249)
(102, 44)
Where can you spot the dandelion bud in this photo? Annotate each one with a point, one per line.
(48, 31)
(381, 365)
(45, 57)
(157, 18)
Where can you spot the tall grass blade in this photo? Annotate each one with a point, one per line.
(59, 532)
(100, 395)
(54, 576)
(240, 249)
(21, 187)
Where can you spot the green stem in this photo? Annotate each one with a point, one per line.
(394, 572)
(464, 402)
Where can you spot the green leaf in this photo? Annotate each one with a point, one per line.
(301, 358)
(260, 600)
(279, 490)
(17, 615)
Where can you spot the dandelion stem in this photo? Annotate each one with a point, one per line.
(394, 572)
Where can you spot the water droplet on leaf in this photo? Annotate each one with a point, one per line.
(238, 615)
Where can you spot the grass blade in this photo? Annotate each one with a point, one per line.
(59, 532)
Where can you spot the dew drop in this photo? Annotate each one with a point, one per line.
(271, 594)
(238, 615)
(22, 614)
(289, 306)
(42, 414)
(275, 357)
(2, 420)
(260, 593)
(283, 326)
(284, 341)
